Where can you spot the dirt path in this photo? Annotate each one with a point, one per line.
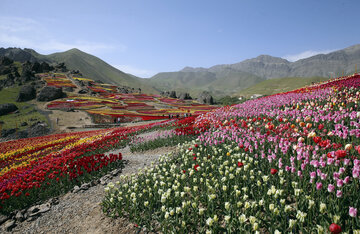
(81, 212)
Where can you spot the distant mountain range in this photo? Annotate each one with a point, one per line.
(232, 78)
(219, 80)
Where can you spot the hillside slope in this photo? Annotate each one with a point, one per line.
(277, 85)
(219, 83)
(95, 68)
(89, 65)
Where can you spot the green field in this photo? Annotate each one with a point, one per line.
(278, 85)
(26, 110)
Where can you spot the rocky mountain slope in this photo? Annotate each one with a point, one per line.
(230, 78)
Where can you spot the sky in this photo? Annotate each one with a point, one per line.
(144, 37)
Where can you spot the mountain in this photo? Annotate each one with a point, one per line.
(264, 66)
(22, 55)
(89, 65)
(219, 82)
(230, 78)
(322, 65)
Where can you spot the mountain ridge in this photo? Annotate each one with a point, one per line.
(221, 79)
(263, 67)
(89, 65)
(268, 60)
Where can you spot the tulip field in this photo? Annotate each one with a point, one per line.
(112, 104)
(284, 163)
(35, 169)
(58, 80)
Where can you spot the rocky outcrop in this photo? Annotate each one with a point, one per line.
(26, 93)
(35, 130)
(38, 129)
(76, 72)
(7, 108)
(69, 89)
(45, 67)
(60, 67)
(49, 93)
(18, 54)
(205, 98)
(5, 61)
(83, 91)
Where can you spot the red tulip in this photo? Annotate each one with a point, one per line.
(196, 167)
(317, 139)
(358, 148)
(273, 171)
(334, 228)
(321, 126)
(340, 153)
(240, 164)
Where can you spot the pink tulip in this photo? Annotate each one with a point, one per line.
(331, 188)
(339, 183)
(352, 212)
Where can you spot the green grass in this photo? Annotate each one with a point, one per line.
(278, 85)
(227, 100)
(19, 66)
(26, 111)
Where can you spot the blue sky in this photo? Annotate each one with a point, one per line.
(150, 36)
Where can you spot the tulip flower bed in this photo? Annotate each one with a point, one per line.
(82, 79)
(289, 162)
(57, 80)
(128, 107)
(35, 169)
(181, 131)
(82, 102)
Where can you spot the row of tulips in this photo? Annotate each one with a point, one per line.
(57, 80)
(46, 166)
(180, 131)
(285, 163)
